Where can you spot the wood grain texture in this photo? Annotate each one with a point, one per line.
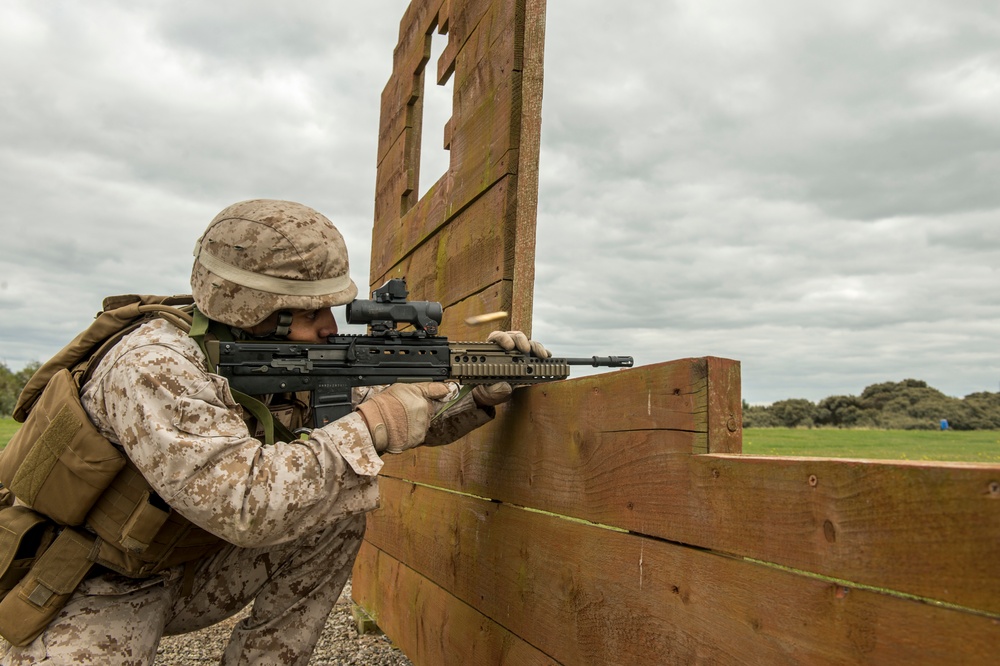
(461, 257)
(725, 407)
(615, 449)
(409, 58)
(429, 624)
(573, 433)
(587, 595)
(529, 51)
(486, 119)
(392, 182)
(484, 116)
(492, 47)
(494, 298)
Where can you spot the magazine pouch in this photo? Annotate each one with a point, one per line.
(44, 590)
(58, 463)
(24, 534)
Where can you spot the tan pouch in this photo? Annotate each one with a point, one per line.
(23, 534)
(58, 463)
(41, 594)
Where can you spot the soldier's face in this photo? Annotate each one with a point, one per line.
(313, 326)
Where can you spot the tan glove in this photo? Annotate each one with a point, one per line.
(494, 394)
(491, 395)
(511, 340)
(399, 416)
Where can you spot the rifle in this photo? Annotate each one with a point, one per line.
(385, 355)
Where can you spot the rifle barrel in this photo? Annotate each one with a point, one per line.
(602, 361)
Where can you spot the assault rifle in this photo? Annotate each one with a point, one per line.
(385, 356)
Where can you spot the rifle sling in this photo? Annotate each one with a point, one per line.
(202, 326)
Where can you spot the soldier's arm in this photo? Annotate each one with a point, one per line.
(181, 428)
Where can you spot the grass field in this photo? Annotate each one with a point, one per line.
(966, 446)
(963, 446)
(7, 429)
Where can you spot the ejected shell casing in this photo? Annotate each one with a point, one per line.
(475, 320)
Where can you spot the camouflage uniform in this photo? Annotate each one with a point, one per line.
(293, 513)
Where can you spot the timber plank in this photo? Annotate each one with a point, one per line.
(526, 133)
(394, 236)
(459, 259)
(392, 182)
(577, 426)
(484, 132)
(409, 57)
(485, 125)
(411, 148)
(464, 20)
(486, 114)
(725, 408)
(392, 117)
(494, 298)
(492, 40)
(444, 18)
(928, 529)
(417, 20)
(615, 449)
(584, 594)
(429, 624)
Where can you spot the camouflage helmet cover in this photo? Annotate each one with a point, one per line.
(261, 256)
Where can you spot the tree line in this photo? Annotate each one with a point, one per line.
(11, 384)
(907, 405)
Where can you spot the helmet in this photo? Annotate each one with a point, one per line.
(261, 256)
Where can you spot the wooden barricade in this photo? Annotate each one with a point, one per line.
(612, 519)
(469, 243)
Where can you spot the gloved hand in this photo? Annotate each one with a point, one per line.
(399, 416)
(491, 395)
(510, 340)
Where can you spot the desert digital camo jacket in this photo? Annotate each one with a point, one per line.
(292, 512)
(179, 425)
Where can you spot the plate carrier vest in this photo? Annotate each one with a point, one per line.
(82, 504)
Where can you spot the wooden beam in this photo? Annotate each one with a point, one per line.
(428, 623)
(725, 407)
(615, 449)
(582, 593)
(458, 259)
(529, 51)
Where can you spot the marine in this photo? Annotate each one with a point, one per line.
(276, 526)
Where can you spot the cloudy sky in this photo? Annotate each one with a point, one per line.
(807, 187)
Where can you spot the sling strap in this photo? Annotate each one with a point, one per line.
(201, 327)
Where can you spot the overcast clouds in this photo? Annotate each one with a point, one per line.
(810, 188)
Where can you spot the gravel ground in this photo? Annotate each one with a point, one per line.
(339, 644)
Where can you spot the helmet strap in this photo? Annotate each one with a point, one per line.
(281, 329)
(284, 326)
(201, 327)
